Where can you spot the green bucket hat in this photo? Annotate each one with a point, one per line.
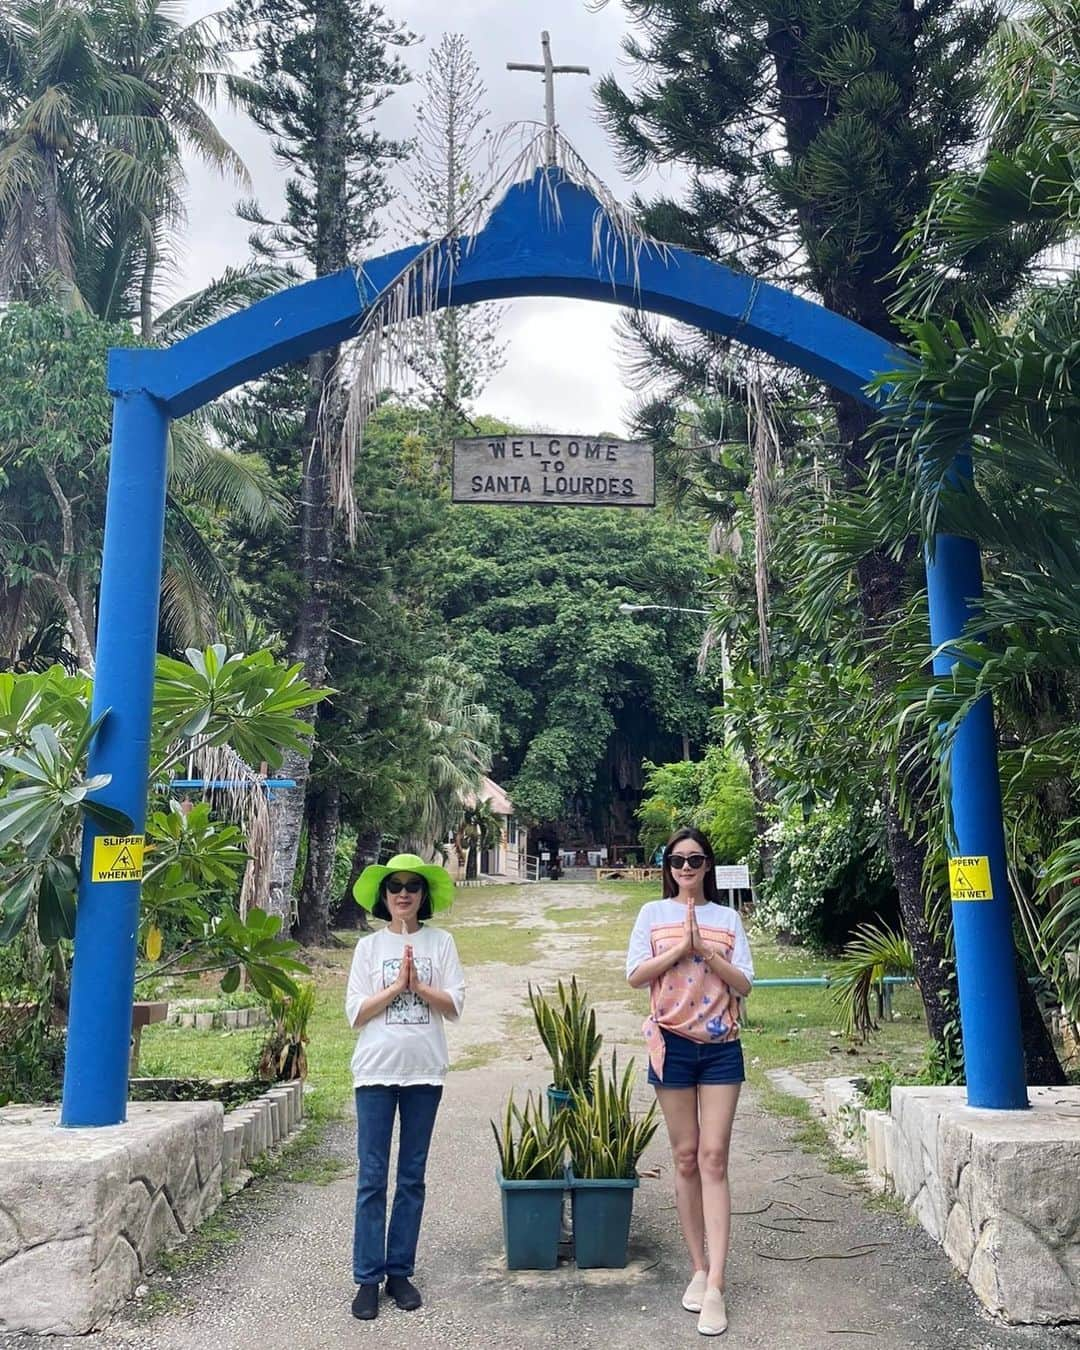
(440, 883)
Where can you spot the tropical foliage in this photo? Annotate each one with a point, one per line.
(214, 699)
(712, 794)
(605, 1136)
(917, 174)
(531, 1144)
(870, 958)
(568, 1032)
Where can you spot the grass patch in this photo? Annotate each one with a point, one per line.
(156, 1303)
(209, 1238)
(300, 1159)
(809, 1132)
(477, 1057)
(182, 1052)
(483, 943)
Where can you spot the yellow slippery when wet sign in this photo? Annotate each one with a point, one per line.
(969, 879)
(118, 858)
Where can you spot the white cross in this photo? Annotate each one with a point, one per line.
(549, 72)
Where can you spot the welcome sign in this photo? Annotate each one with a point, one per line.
(553, 471)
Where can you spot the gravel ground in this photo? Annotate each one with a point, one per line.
(284, 1282)
(813, 1262)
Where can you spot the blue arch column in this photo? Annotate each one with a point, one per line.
(107, 917)
(982, 929)
(547, 237)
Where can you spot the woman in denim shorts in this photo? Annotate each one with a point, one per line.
(691, 952)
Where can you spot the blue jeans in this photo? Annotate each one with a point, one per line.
(376, 1252)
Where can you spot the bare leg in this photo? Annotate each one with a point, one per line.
(717, 1103)
(680, 1108)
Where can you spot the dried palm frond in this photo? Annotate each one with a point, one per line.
(399, 323)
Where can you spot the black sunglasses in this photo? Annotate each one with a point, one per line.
(693, 860)
(413, 887)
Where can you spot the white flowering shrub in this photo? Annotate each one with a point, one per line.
(830, 873)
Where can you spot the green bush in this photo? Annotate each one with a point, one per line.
(710, 794)
(830, 874)
(726, 813)
(31, 1044)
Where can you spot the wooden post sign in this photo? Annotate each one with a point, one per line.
(553, 471)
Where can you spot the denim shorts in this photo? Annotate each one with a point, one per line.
(688, 1063)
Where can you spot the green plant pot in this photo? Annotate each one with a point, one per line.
(557, 1099)
(601, 1216)
(532, 1219)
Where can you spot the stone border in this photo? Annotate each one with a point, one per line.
(85, 1213)
(251, 1129)
(226, 1019)
(999, 1190)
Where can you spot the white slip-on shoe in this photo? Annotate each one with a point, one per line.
(695, 1292)
(713, 1319)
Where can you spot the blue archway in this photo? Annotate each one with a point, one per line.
(546, 237)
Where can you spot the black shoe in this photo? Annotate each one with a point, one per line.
(365, 1305)
(404, 1293)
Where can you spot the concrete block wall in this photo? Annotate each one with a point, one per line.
(1000, 1190)
(84, 1213)
(257, 1125)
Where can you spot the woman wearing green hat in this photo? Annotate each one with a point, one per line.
(405, 980)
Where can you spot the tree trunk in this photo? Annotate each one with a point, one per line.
(146, 289)
(77, 621)
(367, 846)
(934, 968)
(311, 635)
(761, 790)
(882, 583)
(57, 242)
(1040, 1058)
(323, 821)
(310, 638)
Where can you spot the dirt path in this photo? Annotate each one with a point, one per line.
(812, 1264)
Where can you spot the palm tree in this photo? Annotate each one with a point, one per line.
(97, 104)
(458, 732)
(177, 71)
(479, 829)
(52, 87)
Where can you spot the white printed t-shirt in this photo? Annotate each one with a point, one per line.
(405, 1044)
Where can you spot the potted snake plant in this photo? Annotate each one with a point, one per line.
(567, 1029)
(605, 1139)
(532, 1178)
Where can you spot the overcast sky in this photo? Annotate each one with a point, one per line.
(562, 371)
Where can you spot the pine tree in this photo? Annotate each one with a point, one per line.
(812, 136)
(323, 68)
(450, 138)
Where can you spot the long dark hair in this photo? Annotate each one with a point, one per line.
(380, 910)
(671, 886)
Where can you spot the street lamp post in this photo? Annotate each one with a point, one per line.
(672, 609)
(725, 664)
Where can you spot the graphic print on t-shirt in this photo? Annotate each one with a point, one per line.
(407, 1009)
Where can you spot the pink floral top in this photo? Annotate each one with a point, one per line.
(689, 999)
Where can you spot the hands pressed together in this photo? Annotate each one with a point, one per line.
(692, 941)
(407, 978)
